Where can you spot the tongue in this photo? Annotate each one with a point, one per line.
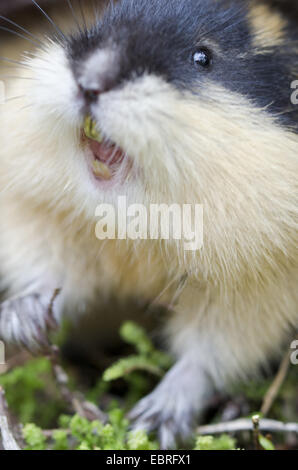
(106, 153)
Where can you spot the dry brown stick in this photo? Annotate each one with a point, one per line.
(276, 385)
(256, 431)
(239, 425)
(6, 433)
(77, 402)
(49, 433)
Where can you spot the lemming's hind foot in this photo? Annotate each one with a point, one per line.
(172, 409)
(27, 321)
(161, 412)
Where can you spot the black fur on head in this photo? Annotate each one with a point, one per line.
(160, 37)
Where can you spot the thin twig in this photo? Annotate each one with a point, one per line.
(239, 425)
(49, 433)
(276, 385)
(6, 433)
(256, 431)
(77, 402)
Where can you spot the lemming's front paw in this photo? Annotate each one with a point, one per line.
(166, 411)
(27, 321)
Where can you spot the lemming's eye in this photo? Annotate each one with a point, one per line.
(202, 58)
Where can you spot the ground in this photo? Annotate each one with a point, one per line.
(62, 406)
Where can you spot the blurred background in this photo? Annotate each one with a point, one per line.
(12, 6)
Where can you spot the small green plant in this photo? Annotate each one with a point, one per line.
(81, 434)
(30, 386)
(34, 437)
(223, 442)
(265, 443)
(25, 384)
(147, 359)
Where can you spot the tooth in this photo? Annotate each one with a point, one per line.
(91, 130)
(101, 170)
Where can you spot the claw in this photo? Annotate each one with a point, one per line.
(51, 321)
(27, 321)
(173, 407)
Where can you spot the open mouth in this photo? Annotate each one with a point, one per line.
(108, 162)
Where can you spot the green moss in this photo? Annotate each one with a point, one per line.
(26, 386)
(34, 398)
(82, 434)
(138, 440)
(34, 437)
(223, 442)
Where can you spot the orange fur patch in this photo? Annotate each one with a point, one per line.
(268, 26)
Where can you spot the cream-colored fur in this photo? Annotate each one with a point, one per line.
(240, 299)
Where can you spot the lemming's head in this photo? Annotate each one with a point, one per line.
(181, 99)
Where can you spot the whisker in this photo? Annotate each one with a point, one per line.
(14, 98)
(61, 34)
(22, 29)
(22, 66)
(74, 15)
(14, 77)
(83, 16)
(112, 6)
(11, 61)
(16, 33)
(113, 155)
(226, 24)
(95, 11)
(157, 298)
(178, 292)
(31, 55)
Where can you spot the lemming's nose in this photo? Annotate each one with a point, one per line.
(90, 95)
(98, 74)
(92, 92)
